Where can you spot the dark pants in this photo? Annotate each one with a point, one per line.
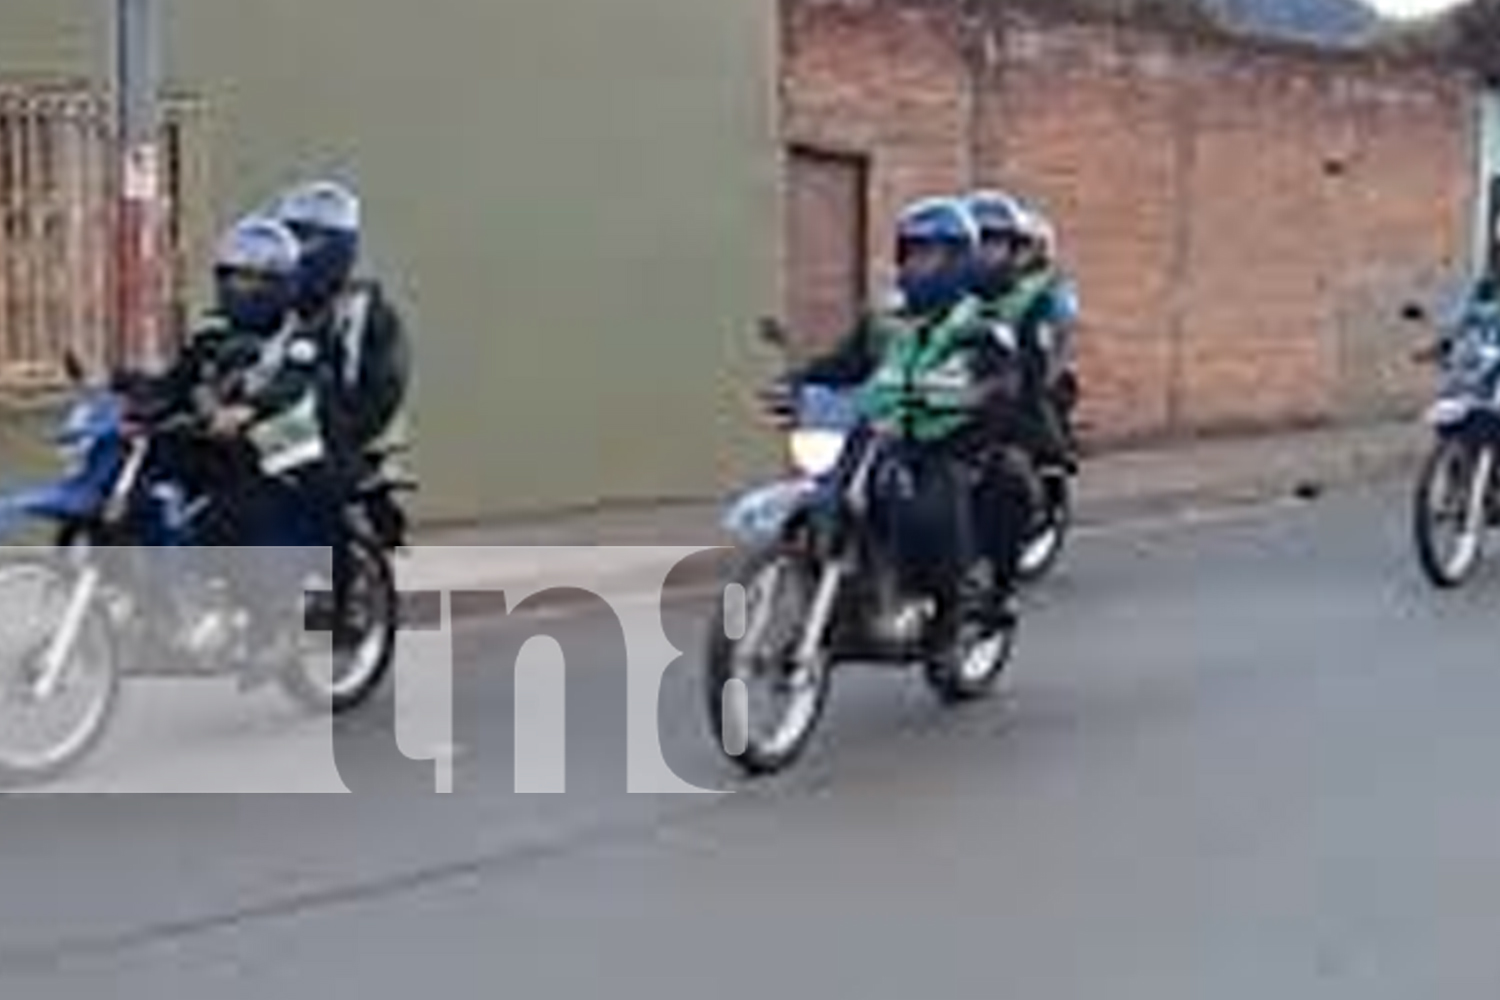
(1003, 502)
(276, 531)
(943, 508)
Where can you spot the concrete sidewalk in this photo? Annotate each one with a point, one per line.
(617, 549)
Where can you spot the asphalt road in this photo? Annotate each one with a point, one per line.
(1245, 758)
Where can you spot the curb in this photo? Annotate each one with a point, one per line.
(420, 609)
(1340, 470)
(1361, 467)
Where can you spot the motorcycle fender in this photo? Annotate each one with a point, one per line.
(759, 516)
(1447, 413)
(55, 501)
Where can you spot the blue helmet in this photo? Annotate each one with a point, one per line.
(256, 274)
(1002, 222)
(998, 215)
(325, 218)
(943, 224)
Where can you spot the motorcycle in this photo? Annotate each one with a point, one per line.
(119, 593)
(823, 585)
(1455, 500)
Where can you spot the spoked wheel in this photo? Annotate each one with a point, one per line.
(1450, 510)
(979, 645)
(363, 641)
(1045, 545)
(46, 732)
(973, 664)
(762, 705)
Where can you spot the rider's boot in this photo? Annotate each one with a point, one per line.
(986, 596)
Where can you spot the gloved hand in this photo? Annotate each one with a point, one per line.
(230, 421)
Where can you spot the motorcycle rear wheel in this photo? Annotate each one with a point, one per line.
(1044, 547)
(364, 667)
(972, 665)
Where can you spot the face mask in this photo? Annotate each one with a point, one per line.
(931, 283)
(932, 292)
(328, 258)
(253, 304)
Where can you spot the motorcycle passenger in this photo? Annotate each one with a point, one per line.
(364, 362)
(934, 371)
(1482, 308)
(362, 334)
(1022, 290)
(1059, 324)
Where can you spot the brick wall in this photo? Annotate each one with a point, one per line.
(1243, 219)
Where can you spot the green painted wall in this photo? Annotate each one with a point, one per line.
(54, 38)
(575, 201)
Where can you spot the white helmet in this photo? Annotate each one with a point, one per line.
(1040, 230)
(258, 243)
(323, 204)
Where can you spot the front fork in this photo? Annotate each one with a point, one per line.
(90, 574)
(1476, 511)
(815, 632)
(60, 649)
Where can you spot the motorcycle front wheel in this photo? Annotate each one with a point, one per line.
(45, 734)
(765, 736)
(1450, 510)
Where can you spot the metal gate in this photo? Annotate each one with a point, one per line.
(56, 198)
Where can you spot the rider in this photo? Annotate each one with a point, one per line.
(357, 322)
(254, 280)
(1022, 289)
(250, 374)
(937, 347)
(1057, 325)
(1477, 310)
(364, 340)
(1483, 303)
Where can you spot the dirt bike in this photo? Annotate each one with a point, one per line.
(1456, 501)
(822, 586)
(120, 592)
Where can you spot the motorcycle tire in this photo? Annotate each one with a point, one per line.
(1450, 569)
(372, 561)
(752, 756)
(20, 770)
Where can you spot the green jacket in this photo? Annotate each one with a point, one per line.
(938, 378)
(1022, 302)
(1034, 310)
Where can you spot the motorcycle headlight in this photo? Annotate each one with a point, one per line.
(816, 452)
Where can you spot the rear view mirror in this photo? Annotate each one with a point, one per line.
(773, 332)
(73, 367)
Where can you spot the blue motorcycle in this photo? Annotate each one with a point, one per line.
(1456, 500)
(126, 587)
(824, 577)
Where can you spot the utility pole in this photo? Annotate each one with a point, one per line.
(139, 246)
